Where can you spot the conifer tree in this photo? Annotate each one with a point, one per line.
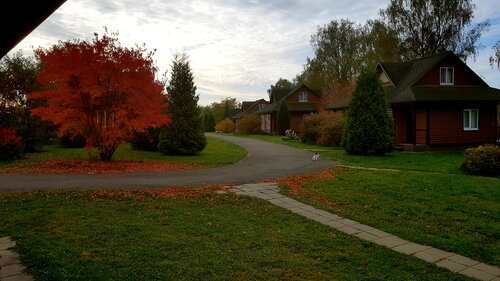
(283, 118)
(185, 135)
(368, 126)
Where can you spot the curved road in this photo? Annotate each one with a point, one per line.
(265, 160)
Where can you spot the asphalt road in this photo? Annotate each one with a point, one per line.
(265, 160)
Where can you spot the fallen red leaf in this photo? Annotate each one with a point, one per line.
(79, 166)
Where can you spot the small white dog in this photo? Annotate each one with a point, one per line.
(316, 156)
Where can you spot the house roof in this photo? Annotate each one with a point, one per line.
(292, 106)
(460, 93)
(13, 31)
(246, 106)
(404, 76)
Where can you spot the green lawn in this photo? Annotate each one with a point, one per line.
(428, 201)
(217, 153)
(457, 213)
(77, 236)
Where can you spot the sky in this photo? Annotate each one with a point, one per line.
(236, 48)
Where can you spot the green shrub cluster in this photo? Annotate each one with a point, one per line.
(482, 160)
(72, 139)
(225, 126)
(146, 140)
(249, 124)
(324, 128)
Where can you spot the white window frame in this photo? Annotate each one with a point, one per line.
(468, 124)
(302, 95)
(445, 81)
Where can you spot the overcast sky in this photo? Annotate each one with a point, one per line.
(236, 48)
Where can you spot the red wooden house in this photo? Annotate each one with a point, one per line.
(300, 101)
(438, 101)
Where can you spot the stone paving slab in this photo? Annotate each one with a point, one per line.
(11, 268)
(451, 261)
(6, 243)
(390, 241)
(21, 277)
(410, 248)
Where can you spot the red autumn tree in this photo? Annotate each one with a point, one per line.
(100, 89)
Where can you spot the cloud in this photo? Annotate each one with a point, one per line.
(236, 48)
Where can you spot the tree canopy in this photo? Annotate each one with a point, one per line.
(18, 76)
(342, 48)
(280, 89)
(495, 57)
(427, 27)
(100, 89)
(225, 108)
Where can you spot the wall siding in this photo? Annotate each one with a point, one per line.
(296, 121)
(446, 126)
(400, 132)
(421, 126)
(462, 76)
(311, 97)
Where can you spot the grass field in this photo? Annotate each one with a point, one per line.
(135, 236)
(456, 213)
(130, 235)
(428, 199)
(217, 153)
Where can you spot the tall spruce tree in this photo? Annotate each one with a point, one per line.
(368, 128)
(283, 118)
(185, 135)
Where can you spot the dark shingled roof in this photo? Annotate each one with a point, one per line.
(403, 77)
(28, 15)
(300, 106)
(292, 107)
(246, 106)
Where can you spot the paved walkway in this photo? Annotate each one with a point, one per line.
(265, 160)
(448, 260)
(11, 268)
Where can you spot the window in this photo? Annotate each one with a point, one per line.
(471, 119)
(303, 97)
(446, 76)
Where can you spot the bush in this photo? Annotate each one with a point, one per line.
(249, 124)
(10, 144)
(290, 135)
(482, 160)
(73, 140)
(310, 128)
(324, 128)
(225, 126)
(146, 140)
